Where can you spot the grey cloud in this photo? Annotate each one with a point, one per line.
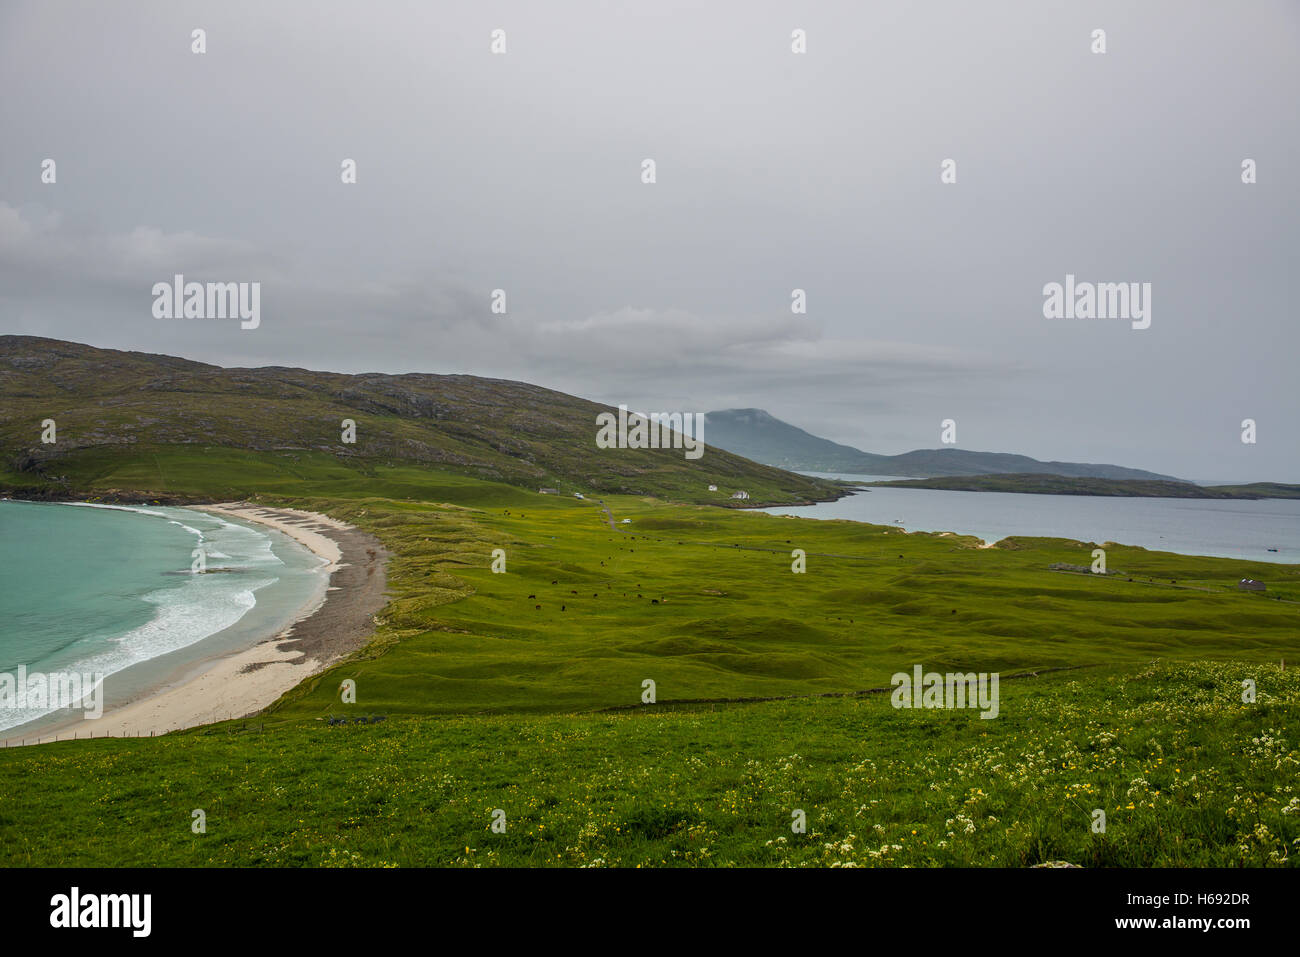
(776, 171)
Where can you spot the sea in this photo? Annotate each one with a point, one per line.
(112, 591)
(1266, 530)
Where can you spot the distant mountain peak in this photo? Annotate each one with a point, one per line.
(757, 434)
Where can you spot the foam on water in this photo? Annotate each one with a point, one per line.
(186, 610)
(114, 508)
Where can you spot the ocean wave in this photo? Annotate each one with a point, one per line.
(183, 614)
(116, 508)
(183, 617)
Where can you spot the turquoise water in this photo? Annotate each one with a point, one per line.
(109, 590)
(1223, 528)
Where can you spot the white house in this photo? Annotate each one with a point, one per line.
(713, 488)
(740, 495)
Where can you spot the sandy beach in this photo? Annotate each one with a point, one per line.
(242, 683)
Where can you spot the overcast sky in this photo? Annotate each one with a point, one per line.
(775, 171)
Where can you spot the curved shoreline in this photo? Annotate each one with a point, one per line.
(241, 683)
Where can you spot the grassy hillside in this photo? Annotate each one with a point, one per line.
(118, 413)
(1062, 485)
(1186, 773)
(704, 602)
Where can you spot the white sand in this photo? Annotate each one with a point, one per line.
(325, 547)
(216, 690)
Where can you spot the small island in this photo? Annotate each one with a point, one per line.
(1039, 484)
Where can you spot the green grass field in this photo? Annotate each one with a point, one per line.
(1186, 774)
(704, 603)
(522, 691)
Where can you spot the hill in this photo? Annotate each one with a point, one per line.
(762, 437)
(115, 410)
